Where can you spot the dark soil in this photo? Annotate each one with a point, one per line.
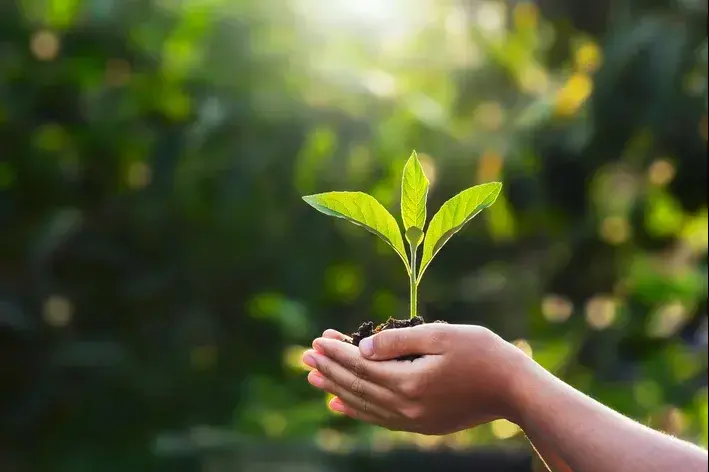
(368, 328)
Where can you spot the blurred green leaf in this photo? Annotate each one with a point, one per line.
(553, 355)
(664, 215)
(653, 283)
(54, 13)
(318, 149)
(290, 316)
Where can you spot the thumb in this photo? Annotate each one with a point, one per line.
(395, 343)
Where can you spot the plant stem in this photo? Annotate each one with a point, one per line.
(413, 285)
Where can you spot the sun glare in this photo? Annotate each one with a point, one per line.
(370, 11)
(379, 17)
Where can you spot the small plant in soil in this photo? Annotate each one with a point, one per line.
(364, 210)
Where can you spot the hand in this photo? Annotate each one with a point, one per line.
(463, 380)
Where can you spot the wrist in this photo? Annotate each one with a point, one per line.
(520, 383)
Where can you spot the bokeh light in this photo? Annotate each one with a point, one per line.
(661, 172)
(45, 45)
(524, 346)
(556, 308)
(667, 319)
(615, 230)
(58, 311)
(588, 57)
(574, 94)
(601, 312)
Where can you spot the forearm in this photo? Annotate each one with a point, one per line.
(590, 437)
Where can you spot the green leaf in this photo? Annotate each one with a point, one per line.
(453, 215)
(362, 210)
(414, 191)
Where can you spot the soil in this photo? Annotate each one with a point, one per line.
(368, 328)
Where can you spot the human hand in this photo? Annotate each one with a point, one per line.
(464, 379)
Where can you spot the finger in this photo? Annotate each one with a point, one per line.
(340, 406)
(396, 343)
(357, 385)
(348, 356)
(332, 334)
(361, 404)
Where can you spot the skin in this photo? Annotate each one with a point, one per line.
(470, 376)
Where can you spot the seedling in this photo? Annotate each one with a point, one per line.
(364, 210)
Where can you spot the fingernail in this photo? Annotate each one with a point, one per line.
(317, 345)
(316, 380)
(336, 405)
(366, 347)
(309, 360)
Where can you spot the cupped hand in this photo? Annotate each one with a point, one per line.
(464, 378)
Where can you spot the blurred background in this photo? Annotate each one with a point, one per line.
(160, 275)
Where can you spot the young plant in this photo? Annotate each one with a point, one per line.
(364, 210)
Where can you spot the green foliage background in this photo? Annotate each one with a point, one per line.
(159, 271)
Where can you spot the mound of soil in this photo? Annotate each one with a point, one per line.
(368, 328)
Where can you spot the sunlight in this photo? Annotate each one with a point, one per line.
(370, 11)
(378, 17)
